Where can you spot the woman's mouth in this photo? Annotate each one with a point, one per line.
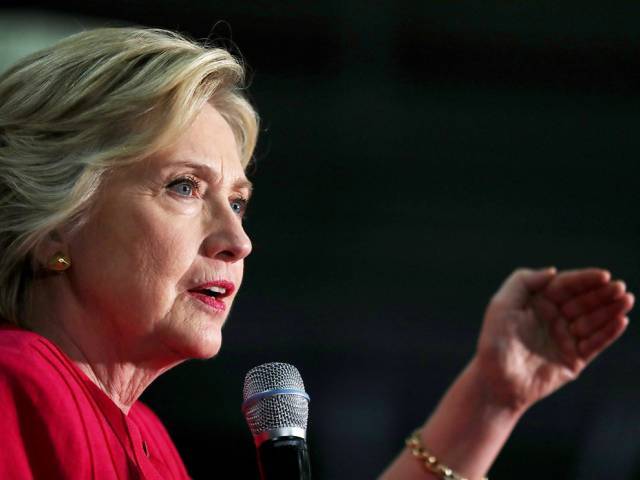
(213, 293)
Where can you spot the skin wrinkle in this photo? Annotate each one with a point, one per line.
(122, 311)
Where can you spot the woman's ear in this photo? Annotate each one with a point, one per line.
(52, 253)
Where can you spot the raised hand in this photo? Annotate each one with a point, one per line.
(540, 330)
(543, 327)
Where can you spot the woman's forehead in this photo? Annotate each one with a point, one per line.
(208, 146)
(208, 138)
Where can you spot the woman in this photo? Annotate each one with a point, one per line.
(122, 192)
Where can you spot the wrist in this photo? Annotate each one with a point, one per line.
(494, 394)
(469, 426)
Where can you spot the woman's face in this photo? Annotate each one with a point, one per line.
(161, 259)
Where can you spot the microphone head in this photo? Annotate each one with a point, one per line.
(275, 403)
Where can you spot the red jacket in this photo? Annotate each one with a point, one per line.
(55, 423)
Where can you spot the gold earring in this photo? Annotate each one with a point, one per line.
(59, 262)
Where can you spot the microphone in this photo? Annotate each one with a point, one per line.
(276, 408)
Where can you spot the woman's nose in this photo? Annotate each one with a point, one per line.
(228, 241)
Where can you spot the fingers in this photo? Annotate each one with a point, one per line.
(592, 309)
(516, 291)
(591, 300)
(571, 283)
(561, 334)
(588, 324)
(590, 347)
(535, 280)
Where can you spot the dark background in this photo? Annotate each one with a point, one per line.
(412, 154)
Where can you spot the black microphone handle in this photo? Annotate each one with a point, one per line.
(284, 458)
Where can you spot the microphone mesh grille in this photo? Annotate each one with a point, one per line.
(277, 411)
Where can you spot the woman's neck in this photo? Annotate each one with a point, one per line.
(115, 362)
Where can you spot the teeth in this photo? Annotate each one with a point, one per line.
(215, 291)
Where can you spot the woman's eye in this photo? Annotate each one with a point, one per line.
(185, 187)
(239, 206)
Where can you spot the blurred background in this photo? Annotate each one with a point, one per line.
(412, 154)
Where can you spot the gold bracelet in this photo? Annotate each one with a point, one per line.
(431, 463)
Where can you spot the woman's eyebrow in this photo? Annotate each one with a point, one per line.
(244, 184)
(207, 171)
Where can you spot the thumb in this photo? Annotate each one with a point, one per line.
(521, 284)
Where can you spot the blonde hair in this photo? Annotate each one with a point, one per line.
(94, 101)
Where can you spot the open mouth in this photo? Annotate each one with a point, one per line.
(213, 293)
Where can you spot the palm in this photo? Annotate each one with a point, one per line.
(539, 336)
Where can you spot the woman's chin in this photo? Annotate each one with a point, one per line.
(206, 346)
(207, 351)
(201, 345)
